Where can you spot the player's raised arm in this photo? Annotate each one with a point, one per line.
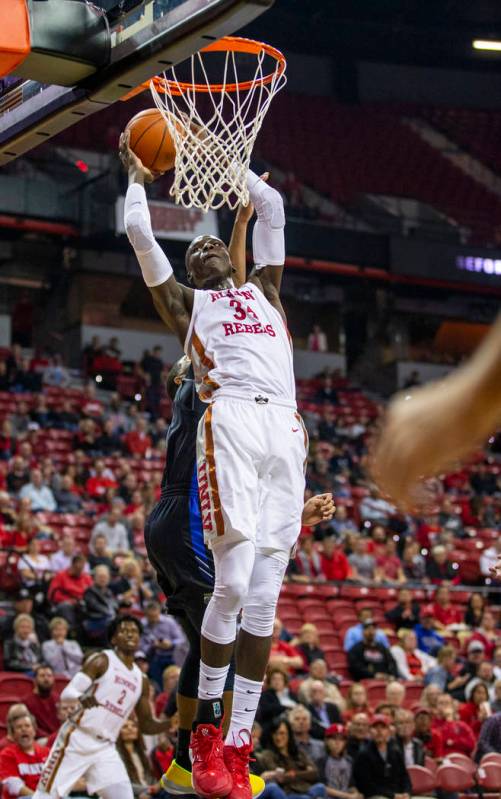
(172, 300)
(268, 242)
(237, 245)
(80, 685)
(427, 429)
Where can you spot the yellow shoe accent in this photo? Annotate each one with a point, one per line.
(177, 780)
(257, 785)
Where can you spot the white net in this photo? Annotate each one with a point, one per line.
(214, 127)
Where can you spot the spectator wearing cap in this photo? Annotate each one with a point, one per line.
(67, 588)
(301, 725)
(355, 634)
(428, 640)
(423, 732)
(474, 656)
(455, 735)
(337, 771)
(379, 768)
(323, 712)
(141, 660)
(369, 659)
(406, 613)
(410, 746)
(412, 664)
(476, 709)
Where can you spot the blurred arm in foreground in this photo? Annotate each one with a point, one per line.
(427, 429)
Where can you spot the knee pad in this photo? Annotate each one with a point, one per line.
(260, 607)
(220, 620)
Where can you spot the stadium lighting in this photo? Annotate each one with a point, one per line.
(492, 45)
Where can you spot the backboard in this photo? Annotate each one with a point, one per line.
(157, 34)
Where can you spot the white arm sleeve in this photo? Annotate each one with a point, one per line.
(77, 686)
(268, 242)
(155, 265)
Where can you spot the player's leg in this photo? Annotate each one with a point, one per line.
(119, 790)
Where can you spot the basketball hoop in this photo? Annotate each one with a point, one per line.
(214, 125)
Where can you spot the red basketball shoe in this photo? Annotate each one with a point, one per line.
(210, 777)
(237, 759)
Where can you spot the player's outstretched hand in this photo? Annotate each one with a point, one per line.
(132, 164)
(246, 212)
(318, 509)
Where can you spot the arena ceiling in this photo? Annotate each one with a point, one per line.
(436, 32)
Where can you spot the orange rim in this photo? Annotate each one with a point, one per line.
(235, 44)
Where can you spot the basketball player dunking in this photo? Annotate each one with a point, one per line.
(109, 687)
(174, 538)
(251, 450)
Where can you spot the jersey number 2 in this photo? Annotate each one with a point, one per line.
(122, 698)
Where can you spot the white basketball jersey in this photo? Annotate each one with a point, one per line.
(118, 692)
(237, 340)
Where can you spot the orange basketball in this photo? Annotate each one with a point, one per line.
(151, 141)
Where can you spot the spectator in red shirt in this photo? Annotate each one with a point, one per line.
(455, 736)
(170, 677)
(476, 709)
(444, 612)
(21, 762)
(335, 564)
(138, 441)
(68, 587)
(488, 634)
(100, 480)
(430, 739)
(377, 541)
(42, 702)
(389, 564)
(282, 653)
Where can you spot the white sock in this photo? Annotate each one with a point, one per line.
(246, 695)
(211, 682)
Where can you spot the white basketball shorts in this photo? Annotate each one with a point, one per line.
(77, 754)
(251, 456)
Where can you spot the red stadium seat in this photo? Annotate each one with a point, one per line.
(422, 781)
(13, 683)
(489, 775)
(376, 690)
(462, 760)
(454, 778)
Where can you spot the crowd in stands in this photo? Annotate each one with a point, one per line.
(379, 659)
